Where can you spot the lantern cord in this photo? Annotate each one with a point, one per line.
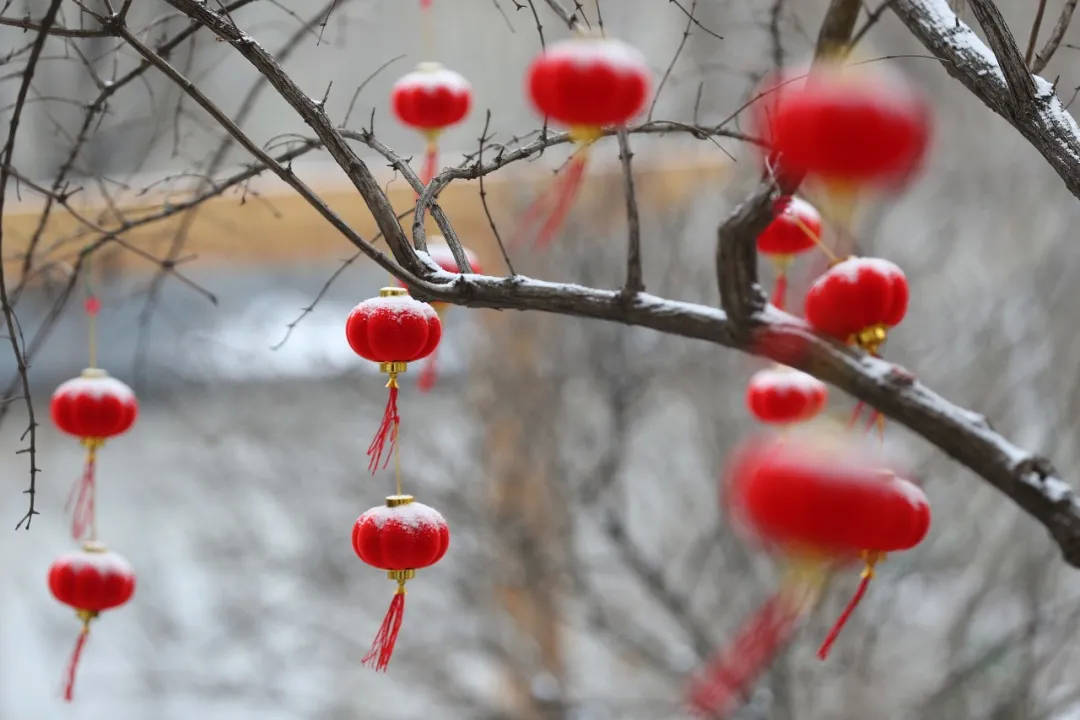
(430, 373)
(383, 645)
(867, 575)
(833, 259)
(725, 680)
(387, 429)
(431, 161)
(92, 306)
(80, 500)
(73, 662)
(397, 457)
(559, 196)
(426, 28)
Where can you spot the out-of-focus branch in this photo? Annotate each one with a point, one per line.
(634, 283)
(314, 115)
(565, 15)
(1007, 53)
(1033, 36)
(1056, 36)
(1043, 121)
(11, 323)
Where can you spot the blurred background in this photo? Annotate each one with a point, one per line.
(590, 570)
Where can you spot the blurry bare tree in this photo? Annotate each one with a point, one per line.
(595, 576)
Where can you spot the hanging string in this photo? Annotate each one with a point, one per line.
(872, 559)
(387, 429)
(80, 500)
(833, 259)
(76, 653)
(92, 306)
(397, 456)
(431, 159)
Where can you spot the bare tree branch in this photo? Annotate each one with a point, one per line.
(634, 283)
(1056, 36)
(1043, 120)
(10, 321)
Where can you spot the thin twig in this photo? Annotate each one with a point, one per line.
(483, 196)
(634, 283)
(1033, 37)
(674, 58)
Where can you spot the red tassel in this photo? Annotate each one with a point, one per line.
(780, 290)
(430, 373)
(387, 432)
(856, 413)
(562, 192)
(81, 498)
(431, 163)
(726, 679)
(73, 663)
(383, 645)
(867, 574)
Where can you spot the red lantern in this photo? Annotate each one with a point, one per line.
(92, 407)
(795, 228)
(441, 254)
(858, 300)
(392, 330)
(586, 84)
(430, 99)
(816, 504)
(90, 580)
(785, 395)
(399, 537)
(848, 126)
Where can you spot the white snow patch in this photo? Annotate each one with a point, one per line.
(600, 51)
(96, 387)
(432, 76)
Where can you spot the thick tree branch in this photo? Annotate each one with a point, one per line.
(1008, 54)
(1044, 122)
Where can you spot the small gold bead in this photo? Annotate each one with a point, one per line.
(392, 292)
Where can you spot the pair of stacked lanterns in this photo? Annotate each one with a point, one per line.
(92, 407)
(822, 505)
(842, 128)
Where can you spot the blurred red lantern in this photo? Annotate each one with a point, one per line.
(430, 99)
(585, 84)
(785, 395)
(848, 126)
(805, 499)
(858, 300)
(441, 254)
(90, 580)
(392, 330)
(399, 537)
(818, 505)
(795, 228)
(92, 407)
